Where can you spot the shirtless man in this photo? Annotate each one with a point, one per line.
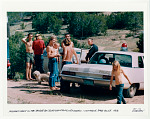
(52, 63)
(67, 37)
(68, 53)
(29, 55)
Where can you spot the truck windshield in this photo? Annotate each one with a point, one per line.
(108, 58)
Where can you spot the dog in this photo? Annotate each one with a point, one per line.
(41, 77)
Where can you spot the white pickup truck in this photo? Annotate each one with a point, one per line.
(97, 71)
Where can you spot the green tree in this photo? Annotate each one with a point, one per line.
(17, 53)
(40, 22)
(140, 43)
(83, 25)
(135, 21)
(54, 24)
(47, 21)
(14, 17)
(132, 21)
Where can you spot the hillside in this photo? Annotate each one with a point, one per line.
(112, 41)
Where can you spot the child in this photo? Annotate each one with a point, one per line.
(117, 72)
(56, 46)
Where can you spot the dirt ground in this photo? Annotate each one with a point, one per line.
(30, 92)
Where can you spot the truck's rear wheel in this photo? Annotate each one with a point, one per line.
(130, 92)
(64, 86)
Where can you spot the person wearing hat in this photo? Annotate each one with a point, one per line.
(38, 47)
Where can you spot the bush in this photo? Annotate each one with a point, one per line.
(83, 25)
(14, 17)
(17, 53)
(40, 22)
(128, 35)
(17, 76)
(132, 21)
(22, 26)
(140, 43)
(44, 22)
(55, 24)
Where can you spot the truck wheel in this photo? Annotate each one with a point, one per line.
(64, 86)
(85, 88)
(130, 92)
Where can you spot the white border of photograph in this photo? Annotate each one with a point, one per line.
(125, 111)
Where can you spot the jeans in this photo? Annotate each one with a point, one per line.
(120, 97)
(65, 62)
(39, 63)
(53, 68)
(57, 72)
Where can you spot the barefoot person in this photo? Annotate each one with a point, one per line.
(117, 73)
(56, 47)
(29, 55)
(52, 62)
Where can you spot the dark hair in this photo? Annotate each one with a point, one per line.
(30, 34)
(67, 34)
(67, 42)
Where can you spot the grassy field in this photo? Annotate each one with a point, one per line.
(112, 41)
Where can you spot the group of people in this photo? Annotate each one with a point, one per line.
(37, 46)
(34, 54)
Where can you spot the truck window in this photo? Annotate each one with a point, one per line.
(140, 62)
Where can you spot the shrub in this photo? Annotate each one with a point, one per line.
(40, 22)
(140, 43)
(55, 24)
(17, 53)
(44, 22)
(22, 26)
(128, 35)
(83, 25)
(17, 76)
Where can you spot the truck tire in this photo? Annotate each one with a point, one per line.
(130, 92)
(64, 86)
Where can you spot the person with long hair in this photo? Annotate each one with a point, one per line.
(52, 62)
(117, 72)
(29, 55)
(68, 52)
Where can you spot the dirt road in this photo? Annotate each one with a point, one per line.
(30, 92)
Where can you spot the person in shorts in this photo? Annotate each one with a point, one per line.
(29, 55)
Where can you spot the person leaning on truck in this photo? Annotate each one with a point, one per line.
(92, 50)
(68, 52)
